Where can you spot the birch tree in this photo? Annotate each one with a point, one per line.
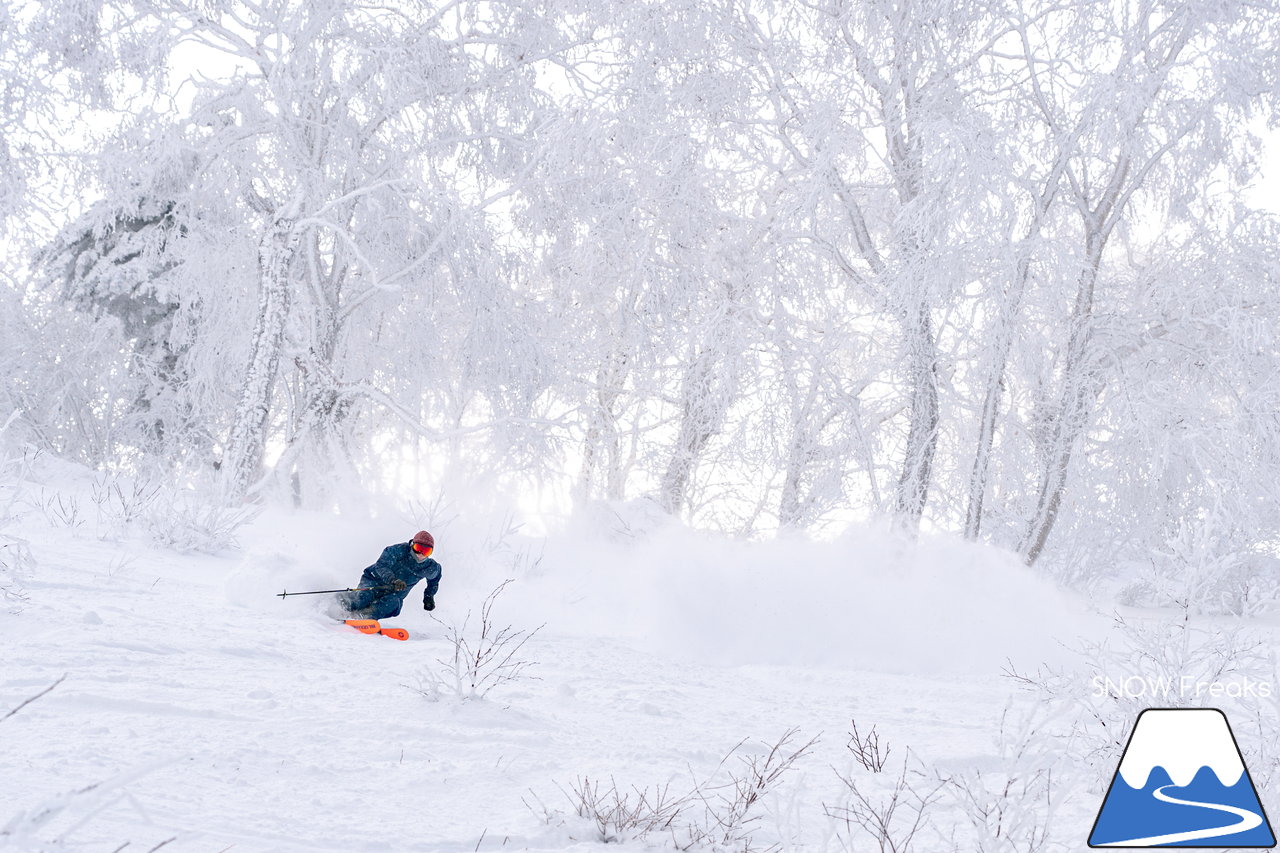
(647, 247)
(1184, 445)
(1172, 88)
(872, 111)
(367, 148)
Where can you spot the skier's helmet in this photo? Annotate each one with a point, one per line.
(423, 541)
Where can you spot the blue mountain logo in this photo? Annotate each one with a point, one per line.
(1182, 783)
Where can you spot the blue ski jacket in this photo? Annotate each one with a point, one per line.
(397, 563)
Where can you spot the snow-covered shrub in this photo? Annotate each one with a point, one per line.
(61, 510)
(483, 659)
(17, 831)
(1239, 584)
(187, 523)
(1010, 808)
(730, 807)
(1057, 752)
(26, 831)
(183, 519)
(610, 815)
(122, 501)
(48, 825)
(437, 514)
(893, 813)
(15, 564)
(719, 813)
(15, 554)
(487, 541)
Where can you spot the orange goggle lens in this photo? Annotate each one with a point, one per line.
(420, 549)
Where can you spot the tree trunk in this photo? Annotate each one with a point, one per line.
(317, 453)
(1073, 410)
(316, 448)
(804, 446)
(799, 458)
(991, 402)
(922, 437)
(986, 439)
(702, 414)
(248, 436)
(601, 448)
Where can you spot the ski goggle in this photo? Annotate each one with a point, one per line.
(424, 550)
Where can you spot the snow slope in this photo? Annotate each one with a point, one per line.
(208, 711)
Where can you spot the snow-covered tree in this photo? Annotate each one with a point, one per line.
(148, 264)
(870, 113)
(973, 266)
(365, 153)
(645, 251)
(1138, 103)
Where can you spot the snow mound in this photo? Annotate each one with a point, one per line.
(870, 600)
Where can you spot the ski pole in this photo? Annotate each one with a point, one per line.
(321, 591)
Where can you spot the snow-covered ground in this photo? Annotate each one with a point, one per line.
(193, 704)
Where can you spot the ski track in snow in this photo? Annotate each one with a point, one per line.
(266, 728)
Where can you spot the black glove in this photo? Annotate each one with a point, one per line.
(428, 602)
(397, 585)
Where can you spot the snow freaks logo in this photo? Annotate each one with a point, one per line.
(1182, 783)
(1147, 687)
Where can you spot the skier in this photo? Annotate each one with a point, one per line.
(385, 584)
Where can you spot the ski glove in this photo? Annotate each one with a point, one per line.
(397, 585)
(428, 602)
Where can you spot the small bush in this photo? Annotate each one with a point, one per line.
(867, 750)
(1236, 583)
(188, 524)
(122, 501)
(15, 554)
(731, 808)
(61, 511)
(1012, 810)
(482, 660)
(1093, 721)
(16, 564)
(718, 814)
(894, 819)
(620, 816)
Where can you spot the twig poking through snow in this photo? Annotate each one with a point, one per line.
(867, 750)
(484, 662)
(34, 698)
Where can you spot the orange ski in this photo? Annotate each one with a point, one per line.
(372, 626)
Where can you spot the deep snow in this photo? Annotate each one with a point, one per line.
(210, 711)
